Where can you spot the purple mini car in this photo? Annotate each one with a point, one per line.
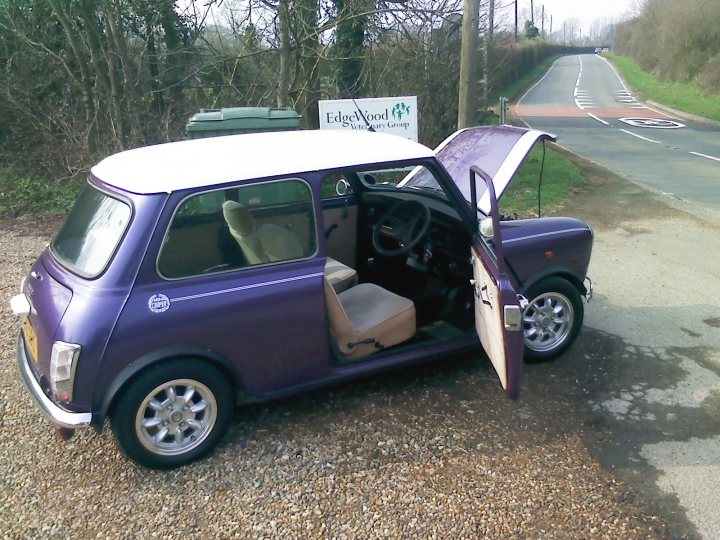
(194, 276)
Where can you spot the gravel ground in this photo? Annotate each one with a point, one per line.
(433, 452)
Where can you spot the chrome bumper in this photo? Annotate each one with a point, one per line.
(58, 416)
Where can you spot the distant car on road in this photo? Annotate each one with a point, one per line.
(598, 50)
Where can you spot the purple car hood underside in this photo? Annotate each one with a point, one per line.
(497, 150)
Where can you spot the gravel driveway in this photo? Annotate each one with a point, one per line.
(432, 452)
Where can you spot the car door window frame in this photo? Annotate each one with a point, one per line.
(311, 202)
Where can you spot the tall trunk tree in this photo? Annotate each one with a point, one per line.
(308, 63)
(82, 64)
(352, 20)
(284, 34)
(176, 53)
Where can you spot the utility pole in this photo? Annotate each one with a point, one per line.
(487, 49)
(516, 21)
(532, 12)
(550, 26)
(467, 104)
(491, 18)
(543, 22)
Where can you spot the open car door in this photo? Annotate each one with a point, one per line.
(498, 316)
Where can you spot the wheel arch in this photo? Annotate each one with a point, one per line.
(560, 272)
(130, 372)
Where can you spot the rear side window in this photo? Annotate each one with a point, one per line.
(251, 225)
(91, 233)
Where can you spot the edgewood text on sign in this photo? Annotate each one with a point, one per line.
(396, 115)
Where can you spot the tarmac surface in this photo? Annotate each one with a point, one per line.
(583, 101)
(653, 330)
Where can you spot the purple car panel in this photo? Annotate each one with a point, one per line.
(196, 276)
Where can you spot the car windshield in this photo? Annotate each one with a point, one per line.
(91, 232)
(422, 178)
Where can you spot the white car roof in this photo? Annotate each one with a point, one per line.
(218, 160)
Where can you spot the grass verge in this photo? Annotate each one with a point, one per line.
(561, 178)
(26, 195)
(684, 96)
(512, 91)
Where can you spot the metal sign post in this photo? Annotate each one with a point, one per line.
(502, 111)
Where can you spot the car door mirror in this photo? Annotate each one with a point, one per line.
(486, 228)
(492, 223)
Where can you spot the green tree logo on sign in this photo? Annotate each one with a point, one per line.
(399, 110)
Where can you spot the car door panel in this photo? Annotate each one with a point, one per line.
(498, 317)
(496, 320)
(340, 223)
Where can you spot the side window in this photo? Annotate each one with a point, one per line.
(384, 177)
(234, 228)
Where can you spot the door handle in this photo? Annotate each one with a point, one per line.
(487, 302)
(479, 293)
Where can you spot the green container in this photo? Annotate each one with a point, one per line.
(231, 121)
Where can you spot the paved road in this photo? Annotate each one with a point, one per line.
(647, 364)
(582, 100)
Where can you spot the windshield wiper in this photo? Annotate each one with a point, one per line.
(431, 189)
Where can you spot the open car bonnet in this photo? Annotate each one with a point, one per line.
(497, 150)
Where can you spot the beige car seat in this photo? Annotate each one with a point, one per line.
(367, 318)
(242, 227)
(340, 276)
(270, 243)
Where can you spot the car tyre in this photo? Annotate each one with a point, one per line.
(172, 413)
(552, 319)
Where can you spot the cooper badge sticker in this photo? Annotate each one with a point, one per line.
(159, 303)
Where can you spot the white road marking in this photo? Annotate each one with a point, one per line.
(585, 103)
(705, 156)
(653, 123)
(537, 83)
(622, 83)
(591, 115)
(626, 88)
(640, 136)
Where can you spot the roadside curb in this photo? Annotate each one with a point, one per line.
(682, 114)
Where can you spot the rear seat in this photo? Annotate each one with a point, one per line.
(340, 276)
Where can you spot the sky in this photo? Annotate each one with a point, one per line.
(587, 11)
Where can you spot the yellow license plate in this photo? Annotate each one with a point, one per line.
(30, 339)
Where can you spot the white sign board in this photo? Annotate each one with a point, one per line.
(396, 115)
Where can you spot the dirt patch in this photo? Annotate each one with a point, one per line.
(714, 322)
(32, 225)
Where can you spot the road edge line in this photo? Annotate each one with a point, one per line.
(640, 136)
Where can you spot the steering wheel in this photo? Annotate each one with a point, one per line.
(404, 223)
